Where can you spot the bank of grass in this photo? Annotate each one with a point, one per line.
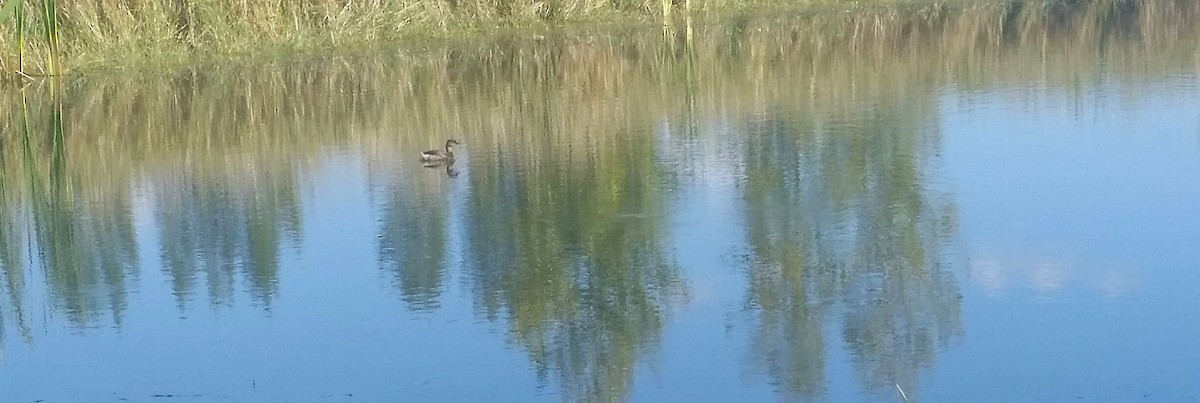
(115, 34)
(120, 33)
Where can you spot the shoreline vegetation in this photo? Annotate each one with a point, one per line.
(117, 34)
(83, 37)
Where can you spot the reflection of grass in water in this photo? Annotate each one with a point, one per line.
(838, 216)
(11, 268)
(413, 234)
(86, 250)
(584, 289)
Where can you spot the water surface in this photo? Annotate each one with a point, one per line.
(992, 203)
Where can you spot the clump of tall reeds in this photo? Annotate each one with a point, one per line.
(16, 12)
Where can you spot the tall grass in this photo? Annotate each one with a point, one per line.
(14, 12)
(109, 33)
(100, 34)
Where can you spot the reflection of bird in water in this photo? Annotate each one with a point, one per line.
(439, 155)
(449, 164)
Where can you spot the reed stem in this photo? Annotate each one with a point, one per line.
(50, 25)
(19, 26)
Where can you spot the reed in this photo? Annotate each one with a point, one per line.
(48, 23)
(15, 9)
(49, 18)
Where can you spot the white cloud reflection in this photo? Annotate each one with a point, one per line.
(1046, 272)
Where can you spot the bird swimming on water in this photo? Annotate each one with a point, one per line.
(439, 155)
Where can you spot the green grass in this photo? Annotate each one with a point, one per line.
(87, 36)
(116, 33)
(13, 12)
(48, 37)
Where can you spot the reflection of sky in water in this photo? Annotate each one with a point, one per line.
(1082, 224)
(1094, 196)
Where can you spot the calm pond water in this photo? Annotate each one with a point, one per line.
(995, 203)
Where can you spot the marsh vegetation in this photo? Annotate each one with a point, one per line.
(50, 37)
(116, 33)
